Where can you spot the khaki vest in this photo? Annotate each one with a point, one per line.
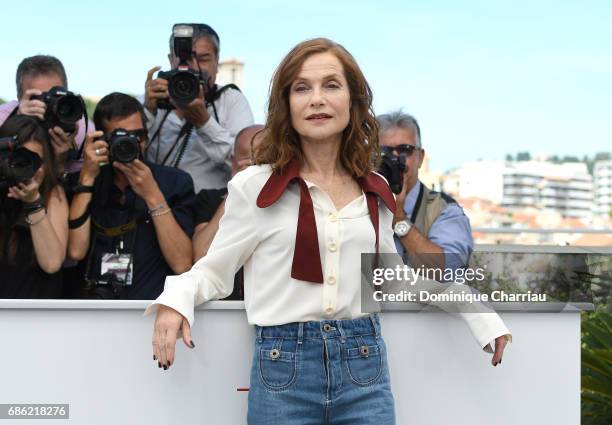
(428, 207)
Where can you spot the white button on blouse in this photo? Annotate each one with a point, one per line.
(263, 241)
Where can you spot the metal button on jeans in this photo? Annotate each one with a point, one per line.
(327, 327)
(274, 354)
(364, 350)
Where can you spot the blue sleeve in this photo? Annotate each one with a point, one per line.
(452, 232)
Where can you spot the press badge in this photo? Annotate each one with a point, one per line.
(121, 265)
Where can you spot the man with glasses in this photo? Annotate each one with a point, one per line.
(197, 137)
(430, 227)
(132, 219)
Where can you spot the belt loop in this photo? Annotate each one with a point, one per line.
(375, 323)
(341, 331)
(300, 332)
(259, 333)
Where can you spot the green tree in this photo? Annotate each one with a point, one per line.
(90, 105)
(2, 101)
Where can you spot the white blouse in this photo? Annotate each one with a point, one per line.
(263, 240)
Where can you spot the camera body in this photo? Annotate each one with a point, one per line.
(64, 108)
(123, 145)
(392, 168)
(183, 82)
(17, 164)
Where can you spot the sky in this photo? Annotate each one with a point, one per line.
(483, 78)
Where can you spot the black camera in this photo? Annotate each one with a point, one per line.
(17, 164)
(123, 145)
(64, 108)
(183, 82)
(392, 168)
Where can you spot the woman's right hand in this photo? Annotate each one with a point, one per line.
(169, 325)
(95, 154)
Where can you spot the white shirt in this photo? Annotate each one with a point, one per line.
(209, 147)
(263, 240)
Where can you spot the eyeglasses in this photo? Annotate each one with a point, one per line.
(403, 149)
(141, 134)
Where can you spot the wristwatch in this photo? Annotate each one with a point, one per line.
(402, 228)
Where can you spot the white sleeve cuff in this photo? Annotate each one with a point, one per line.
(179, 294)
(485, 327)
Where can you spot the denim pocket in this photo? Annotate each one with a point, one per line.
(278, 363)
(364, 359)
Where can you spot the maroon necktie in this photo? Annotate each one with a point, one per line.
(306, 264)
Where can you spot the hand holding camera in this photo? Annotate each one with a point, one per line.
(181, 88)
(27, 191)
(31, 105)
(195, 112)
(96, 153)
(17, 164)
(155, 89)
(61, 141)
(141, 181)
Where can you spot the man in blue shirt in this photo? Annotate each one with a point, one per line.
(430, 227)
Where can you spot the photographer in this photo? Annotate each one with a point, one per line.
(134, 218)
(196, 136)
(430, 227)
(36, 76)
(33, 213)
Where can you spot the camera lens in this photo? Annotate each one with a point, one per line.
(68, 109)
(23, 164)
(183, 87)
(124, 148)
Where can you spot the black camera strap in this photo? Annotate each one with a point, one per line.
(211, 95)
(156, 135)
(185, 134)
(417, 205)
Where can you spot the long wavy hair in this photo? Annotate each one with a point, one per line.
(15, 241)
(359, 151)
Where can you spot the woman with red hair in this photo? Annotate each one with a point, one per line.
(298, 221)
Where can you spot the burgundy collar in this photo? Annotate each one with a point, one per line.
(306, 259)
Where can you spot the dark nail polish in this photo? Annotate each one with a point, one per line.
(500, 362)
(154, 358)
(165, 367)
(192, 344)
(158, 364)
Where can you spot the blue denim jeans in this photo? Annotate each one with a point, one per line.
(314, 373)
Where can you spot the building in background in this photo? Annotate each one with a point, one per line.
(429, 178)
(565, 189)
(602, 182)
(230, 72)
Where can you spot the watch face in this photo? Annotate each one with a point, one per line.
(401, 228)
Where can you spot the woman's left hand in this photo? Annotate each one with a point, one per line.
(500, 345)
(27, 191)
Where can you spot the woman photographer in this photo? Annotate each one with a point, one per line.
(33, 217)
(298, 222)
